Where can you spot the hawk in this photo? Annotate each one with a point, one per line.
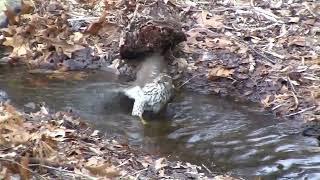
(152, 96)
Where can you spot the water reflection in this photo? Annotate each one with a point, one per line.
(218, 133)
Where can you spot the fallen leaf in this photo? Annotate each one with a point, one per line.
(26, 7)
(24, 168)
(219, 72)
(95, 27)
(298, 40)
(160, 163)
(19, 44)
(214, 22)
(266, 100)
(106, 170)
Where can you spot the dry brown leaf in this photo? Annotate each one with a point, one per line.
(24, 172)
(106, 170)
(160, 163)
(95, 27)
(218, 43)
(79, 76)
(16, 134)
(26, 7)
(19, 44)
(67, 49)
(219, 72)
(45, 147)
(298, 40)
(215, 22)
(266, 100)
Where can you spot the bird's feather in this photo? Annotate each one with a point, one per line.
(134, 92)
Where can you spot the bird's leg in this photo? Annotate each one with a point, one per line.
(137, 110)
(144, 122)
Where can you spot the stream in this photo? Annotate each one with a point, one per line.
(220, 134)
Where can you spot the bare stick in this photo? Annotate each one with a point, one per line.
(302, 111)
(188, 81)
(65, 171)
(267, 14)
(125, 162)
(207, 168)
(254, 50)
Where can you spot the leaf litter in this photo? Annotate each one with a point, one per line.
(255, 50)
(46, 145)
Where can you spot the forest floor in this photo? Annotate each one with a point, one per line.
(261, 51)
(62, 146)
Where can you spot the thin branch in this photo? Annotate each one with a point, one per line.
(137, 172)
(302, 111)
(65, 171)
(254, 50)
(204, 166)
(188, 81)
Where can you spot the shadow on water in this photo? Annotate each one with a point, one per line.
(222, 135)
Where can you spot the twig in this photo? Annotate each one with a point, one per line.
(22, 166)
(302, 111)
(267, 14)
(83, 19)
(188, 81)
(65, 171)
(291, 85)
(295, 100)
(309, 9)
(276, 107)
(254, 50)
(138, 172)
(125, 162)
(204, 166)
(293, 93)
(260, 54)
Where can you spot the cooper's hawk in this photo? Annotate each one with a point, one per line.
(153, 87)
(153, 96)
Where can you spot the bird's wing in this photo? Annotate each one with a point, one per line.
(134, 92)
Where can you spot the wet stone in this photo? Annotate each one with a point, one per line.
(3, 96)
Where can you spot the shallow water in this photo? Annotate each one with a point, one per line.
(220, 134)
